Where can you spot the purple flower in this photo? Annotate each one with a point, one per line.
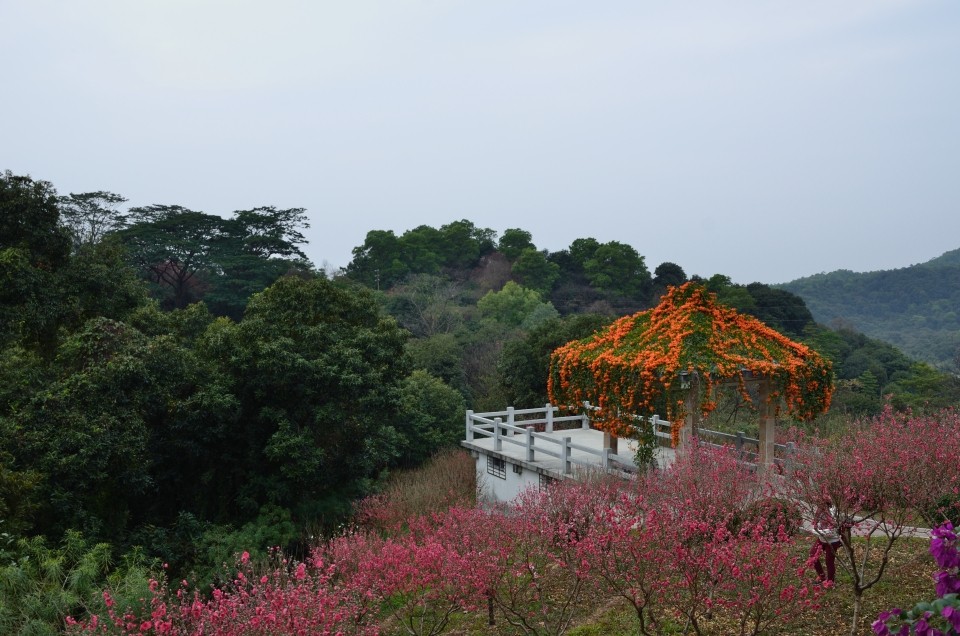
(943, 546)
(952, 615)
(946, 583)
(922, 627)
(880, 628)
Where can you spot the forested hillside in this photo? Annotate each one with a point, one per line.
(916, 308)
(177, 386)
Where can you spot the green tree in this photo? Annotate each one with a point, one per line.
(514, 241)
(316, 370)
(463, 244)
(442, 356)
(91, 216)
(89, 433)
(33, 248)
(524, 363)
(427, 305)
(431, 417)
(668, 275)
(730, 294)
(617, 268)
(511, 305)
(98, 282)
(191, 255)
(378, 263)
(582, 250)
(421, 249)
(172, 246)
(780, 309)
(43, 584)
(534, 271)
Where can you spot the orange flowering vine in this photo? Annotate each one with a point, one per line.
(635, 365)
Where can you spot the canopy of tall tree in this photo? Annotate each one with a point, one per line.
(642, 363)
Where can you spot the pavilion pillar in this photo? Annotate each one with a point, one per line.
(691, 422)
(767, 425)
(610, 441)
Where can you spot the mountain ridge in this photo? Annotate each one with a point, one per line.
(916, 308)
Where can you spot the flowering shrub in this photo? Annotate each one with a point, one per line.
(682, 546)
(293, 599)
(942, 616)
(634, 366)
(870, 483)
(724, 547)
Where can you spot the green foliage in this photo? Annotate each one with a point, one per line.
(385, 259)
(97, 282)
(33, 247)
(617, 267)
(91, 216)
(220, 545)
(647, 444)
(462, 244)
(511, 305)
(18, 493)
(89, 431)
(189, 255)
(524, 364)
(44, 585)
(514, 242)
(532, 269)
(29, 221)
(315, 370)
(913, 308)
(426, 304)
(668, 275)
(870, 372)
(441, 356)
(582, 250)
(431, 417)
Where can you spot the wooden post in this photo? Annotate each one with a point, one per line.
(768, 423)
(510, 420)
(497, 439)
(549, 426)
(530, 439)
(567, 466)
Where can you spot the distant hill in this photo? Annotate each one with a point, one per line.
(915, 308)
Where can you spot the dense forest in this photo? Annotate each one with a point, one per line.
(914, 308)
(177, 386)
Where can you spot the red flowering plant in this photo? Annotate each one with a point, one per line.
(634, 367)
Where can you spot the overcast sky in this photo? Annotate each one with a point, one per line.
(762, 140)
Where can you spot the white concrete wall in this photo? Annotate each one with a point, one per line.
(496, 489)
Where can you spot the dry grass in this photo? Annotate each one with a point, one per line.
(448, 479)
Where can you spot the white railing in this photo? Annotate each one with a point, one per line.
(657, 425)
(526, 427)
(740, 444)
(737, 442)
(520, 429)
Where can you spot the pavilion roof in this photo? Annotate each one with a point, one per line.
(635, 365)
